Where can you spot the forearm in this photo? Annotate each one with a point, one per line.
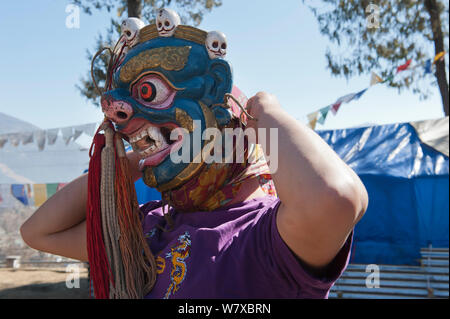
(58, 226)
(64, 209)
(309, 172)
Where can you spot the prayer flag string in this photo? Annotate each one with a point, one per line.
(320, 115)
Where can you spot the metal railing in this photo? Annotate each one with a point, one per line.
(18, 263)
(430, 280)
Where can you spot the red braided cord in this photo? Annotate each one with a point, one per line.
(98, 261)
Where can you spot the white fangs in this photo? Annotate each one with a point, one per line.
(159, 143)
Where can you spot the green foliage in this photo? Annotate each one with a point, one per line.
(191, 12)
(404, 33)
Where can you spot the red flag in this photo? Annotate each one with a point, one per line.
(336, 107)
(404, 66)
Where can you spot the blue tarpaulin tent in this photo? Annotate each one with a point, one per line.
(405, 168)
(145, 193)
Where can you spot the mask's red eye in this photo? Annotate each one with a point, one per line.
(147, 91)
(154, 91)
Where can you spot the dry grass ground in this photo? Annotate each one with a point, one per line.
(26, 282)
(41, 283)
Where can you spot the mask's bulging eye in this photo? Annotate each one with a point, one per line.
(153, 91)
(148, 91)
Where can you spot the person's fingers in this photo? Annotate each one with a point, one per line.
(255, 101)
(261, 100)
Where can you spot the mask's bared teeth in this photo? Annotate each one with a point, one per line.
(155, 134)
(149, 151)
(150, 140)
(140, 135)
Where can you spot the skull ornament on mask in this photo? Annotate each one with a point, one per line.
(167, 21)
(216, 44)
(130, 29)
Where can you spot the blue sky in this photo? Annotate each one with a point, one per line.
(274, 48)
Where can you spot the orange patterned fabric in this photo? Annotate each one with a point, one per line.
(218, 183)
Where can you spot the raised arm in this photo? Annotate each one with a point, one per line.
(321, 197)
(58, 226)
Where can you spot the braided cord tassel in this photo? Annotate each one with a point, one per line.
(138, 261)
(111, 231)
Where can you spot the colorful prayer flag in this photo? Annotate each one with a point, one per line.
(88, 129)
(312, 119)
(52, 135)
(403, 67)
(428, 66)
(18, 191)
(323, 112)
(439, 56)
(389, 78)
(359, 94)
(77, 134)
(347, 98)
(27, 138)
(67, 133)
(3, 140)
(375, 79)
(14, 139)
(29, 193)
(51, 189)
(335, 107)
(39, 137)
(343, 99)
(40, 194)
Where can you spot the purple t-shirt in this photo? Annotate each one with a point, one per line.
(233, 252)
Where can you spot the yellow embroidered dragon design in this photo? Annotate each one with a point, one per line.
(177, 256)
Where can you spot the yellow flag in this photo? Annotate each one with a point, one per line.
(40, 194)
(438, 56)
(312, 119)
(375, 79)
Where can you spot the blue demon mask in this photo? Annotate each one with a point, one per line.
(168, 82)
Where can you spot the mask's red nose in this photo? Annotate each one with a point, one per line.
(117, 111)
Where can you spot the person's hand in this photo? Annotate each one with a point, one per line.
(260, 104)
